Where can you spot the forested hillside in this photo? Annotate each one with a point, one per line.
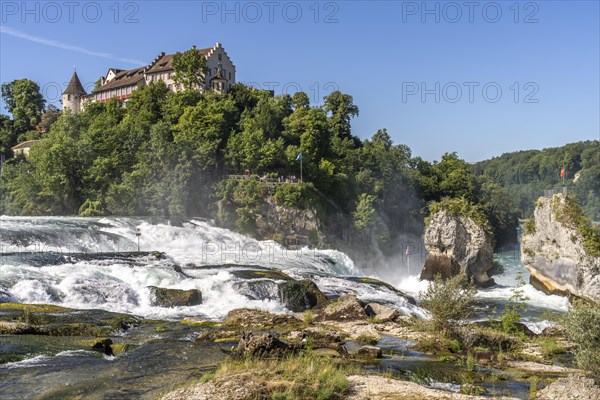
(525, 174)
(170, 155)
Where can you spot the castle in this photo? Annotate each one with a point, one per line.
(119, 84)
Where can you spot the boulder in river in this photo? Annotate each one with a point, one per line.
(346, 308)
(560, 249)
(104, 346)
(162, 297)
(458, 241)
(381, 313)
(370, 352)
(301, 295)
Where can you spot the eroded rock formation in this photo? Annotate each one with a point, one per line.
(457, 244)
(552, 249)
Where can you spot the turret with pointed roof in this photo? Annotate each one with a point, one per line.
(71, 97)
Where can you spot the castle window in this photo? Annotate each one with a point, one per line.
(69, 97)
(230, 76)
(220, 57)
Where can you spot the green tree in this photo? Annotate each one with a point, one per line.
(25, 102)
(190, 68)
(341, 110)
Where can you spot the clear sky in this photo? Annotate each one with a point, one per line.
(478, 78)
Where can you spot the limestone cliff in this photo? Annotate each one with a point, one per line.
(457, 243)
(553, 250)
(275, 220)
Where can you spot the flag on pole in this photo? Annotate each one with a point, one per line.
(562, 171)
(406, 252)
(299, 157)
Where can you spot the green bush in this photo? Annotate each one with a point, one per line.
(583, 328)
(91, 209)
(449, 301)
(529, 227)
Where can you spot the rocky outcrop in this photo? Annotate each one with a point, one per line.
(381, 313)
(162, 297)
(264, 345)
(456, 243)
(302, 295)
(245, 317)
(552, 249)
(297, 227)
(570, 388)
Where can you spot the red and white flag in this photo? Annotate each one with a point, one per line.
(562, 171)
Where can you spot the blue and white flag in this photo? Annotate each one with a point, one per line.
(299, 157)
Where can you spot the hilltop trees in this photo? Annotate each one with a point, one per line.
(167, 154)
(525, 174)
(25, 102)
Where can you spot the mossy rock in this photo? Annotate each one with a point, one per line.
(162, 297)
(37, 308)
(302, 295)
(245, 317)
(381, 284)
(16, 328)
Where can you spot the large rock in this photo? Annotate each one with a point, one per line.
(570, 388)
(346, 308)
(245, 317)
(553, 251)
(264, 345)
(456, 243)
(302, 295)
(162, 297)
(370, 352)
(381, 313)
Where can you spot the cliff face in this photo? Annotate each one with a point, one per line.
(457, 244)
(293, 226)
(554, 253)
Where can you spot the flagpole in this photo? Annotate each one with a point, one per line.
(301, 181)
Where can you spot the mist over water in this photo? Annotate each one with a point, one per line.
(90, 263)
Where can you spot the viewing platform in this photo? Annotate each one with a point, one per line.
(556, 190)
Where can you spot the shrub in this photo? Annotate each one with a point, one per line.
(550, 347)
(529, 227)
(582, 324)
(309, 317)
(91, 209)
(449, 301)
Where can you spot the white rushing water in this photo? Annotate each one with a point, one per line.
(64, 260)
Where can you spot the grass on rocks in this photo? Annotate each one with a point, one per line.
(303, 376)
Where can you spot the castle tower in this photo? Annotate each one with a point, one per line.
(72, 96)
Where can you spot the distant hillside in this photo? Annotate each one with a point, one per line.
(527, 173)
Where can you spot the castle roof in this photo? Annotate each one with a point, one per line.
(74, 87)
(123, 79)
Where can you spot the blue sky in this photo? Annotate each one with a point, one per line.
(478, 78)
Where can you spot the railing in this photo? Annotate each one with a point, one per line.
(556, 190)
